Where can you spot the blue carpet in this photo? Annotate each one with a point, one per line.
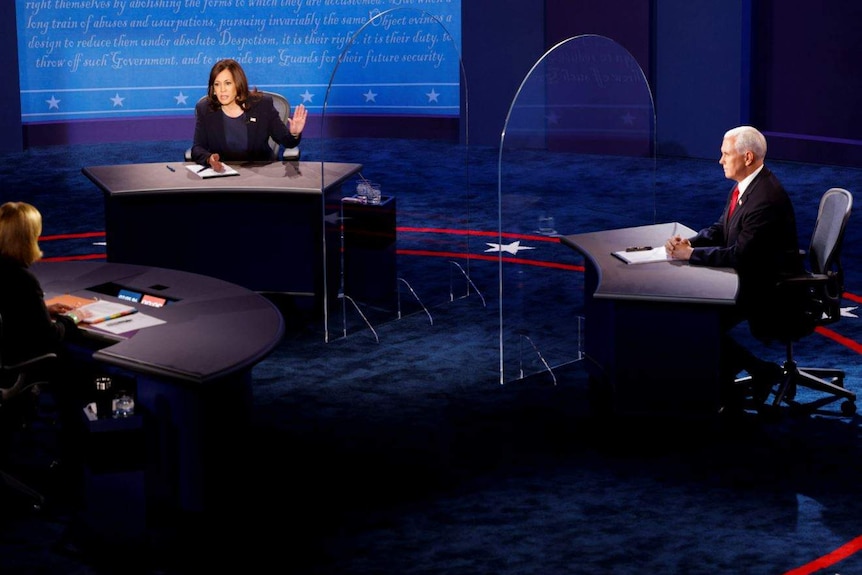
(407, 456)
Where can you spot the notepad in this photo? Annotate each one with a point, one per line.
(102, 310)
(658, 254)
(202, 172)
(97, 310)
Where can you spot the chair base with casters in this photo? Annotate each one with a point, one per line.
(824, 380)
(829, 381)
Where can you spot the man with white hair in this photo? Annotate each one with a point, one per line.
(756, 235)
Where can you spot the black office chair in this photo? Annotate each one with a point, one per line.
(278, 151)
(810, 301)
(14, 413)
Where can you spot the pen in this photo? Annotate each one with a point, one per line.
(202, 169)
(639, 249)
(118, 322)
(170, 168)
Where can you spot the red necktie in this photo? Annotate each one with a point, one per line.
(734, 199)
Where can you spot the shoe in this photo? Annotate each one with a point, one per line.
(763, 379)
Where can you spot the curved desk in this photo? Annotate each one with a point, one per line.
(262, 229)
(191, 374)
(652, 333)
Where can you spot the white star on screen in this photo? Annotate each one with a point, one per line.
(307, 96)
(628, 119)
(432, 96)
(512, 248)
(53, 103)
(117, 101)
(181, 99)
(370, 96)
(848, 311)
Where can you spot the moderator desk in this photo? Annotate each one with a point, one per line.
(652, 329)
(262, 229)
(191, 374)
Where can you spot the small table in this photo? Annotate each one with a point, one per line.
(369, 235)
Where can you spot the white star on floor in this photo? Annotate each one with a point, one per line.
(512, 248)
(181, 99)
(117, 101)
(307, 96)
(53, 103)
(848, 312)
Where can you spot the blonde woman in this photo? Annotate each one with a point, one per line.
(30, 328)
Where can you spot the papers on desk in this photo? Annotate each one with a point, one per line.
(129, 323)
(96, 310)
(643, 256)
(102, 310)
(206, 172)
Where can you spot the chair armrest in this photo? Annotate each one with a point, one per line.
(30, 362)
(810, 279)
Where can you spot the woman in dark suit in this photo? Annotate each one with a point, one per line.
(30, 328)
(235, 123)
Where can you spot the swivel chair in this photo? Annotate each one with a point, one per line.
(22, 376)
(811, 301)
(278, 151)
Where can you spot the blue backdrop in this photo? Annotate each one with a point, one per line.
(95, 59)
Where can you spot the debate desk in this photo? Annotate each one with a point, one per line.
(190, 375)
(651, 331)
(271, 228)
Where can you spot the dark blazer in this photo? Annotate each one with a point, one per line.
(28, 329)
(759, 241)
(262, 120)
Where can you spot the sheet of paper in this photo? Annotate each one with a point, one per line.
(202, 172)
(128, 323)
(644, 256)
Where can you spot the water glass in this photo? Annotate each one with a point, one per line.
(546, 225)
(373, 193)
(362, 190)
(124, 406)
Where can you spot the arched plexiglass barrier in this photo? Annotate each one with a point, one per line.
(395, 252)
(577, 147)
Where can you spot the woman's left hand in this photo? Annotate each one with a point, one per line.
(297, 123)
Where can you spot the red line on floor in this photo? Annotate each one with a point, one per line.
(72, 236)
(457, 232)
(829, 559)
(853, 297)
(74, 258)
(490, 258)
(838, 338)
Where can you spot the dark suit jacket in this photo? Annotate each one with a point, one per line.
(759, 241)
(262, 120)
(28, 329)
